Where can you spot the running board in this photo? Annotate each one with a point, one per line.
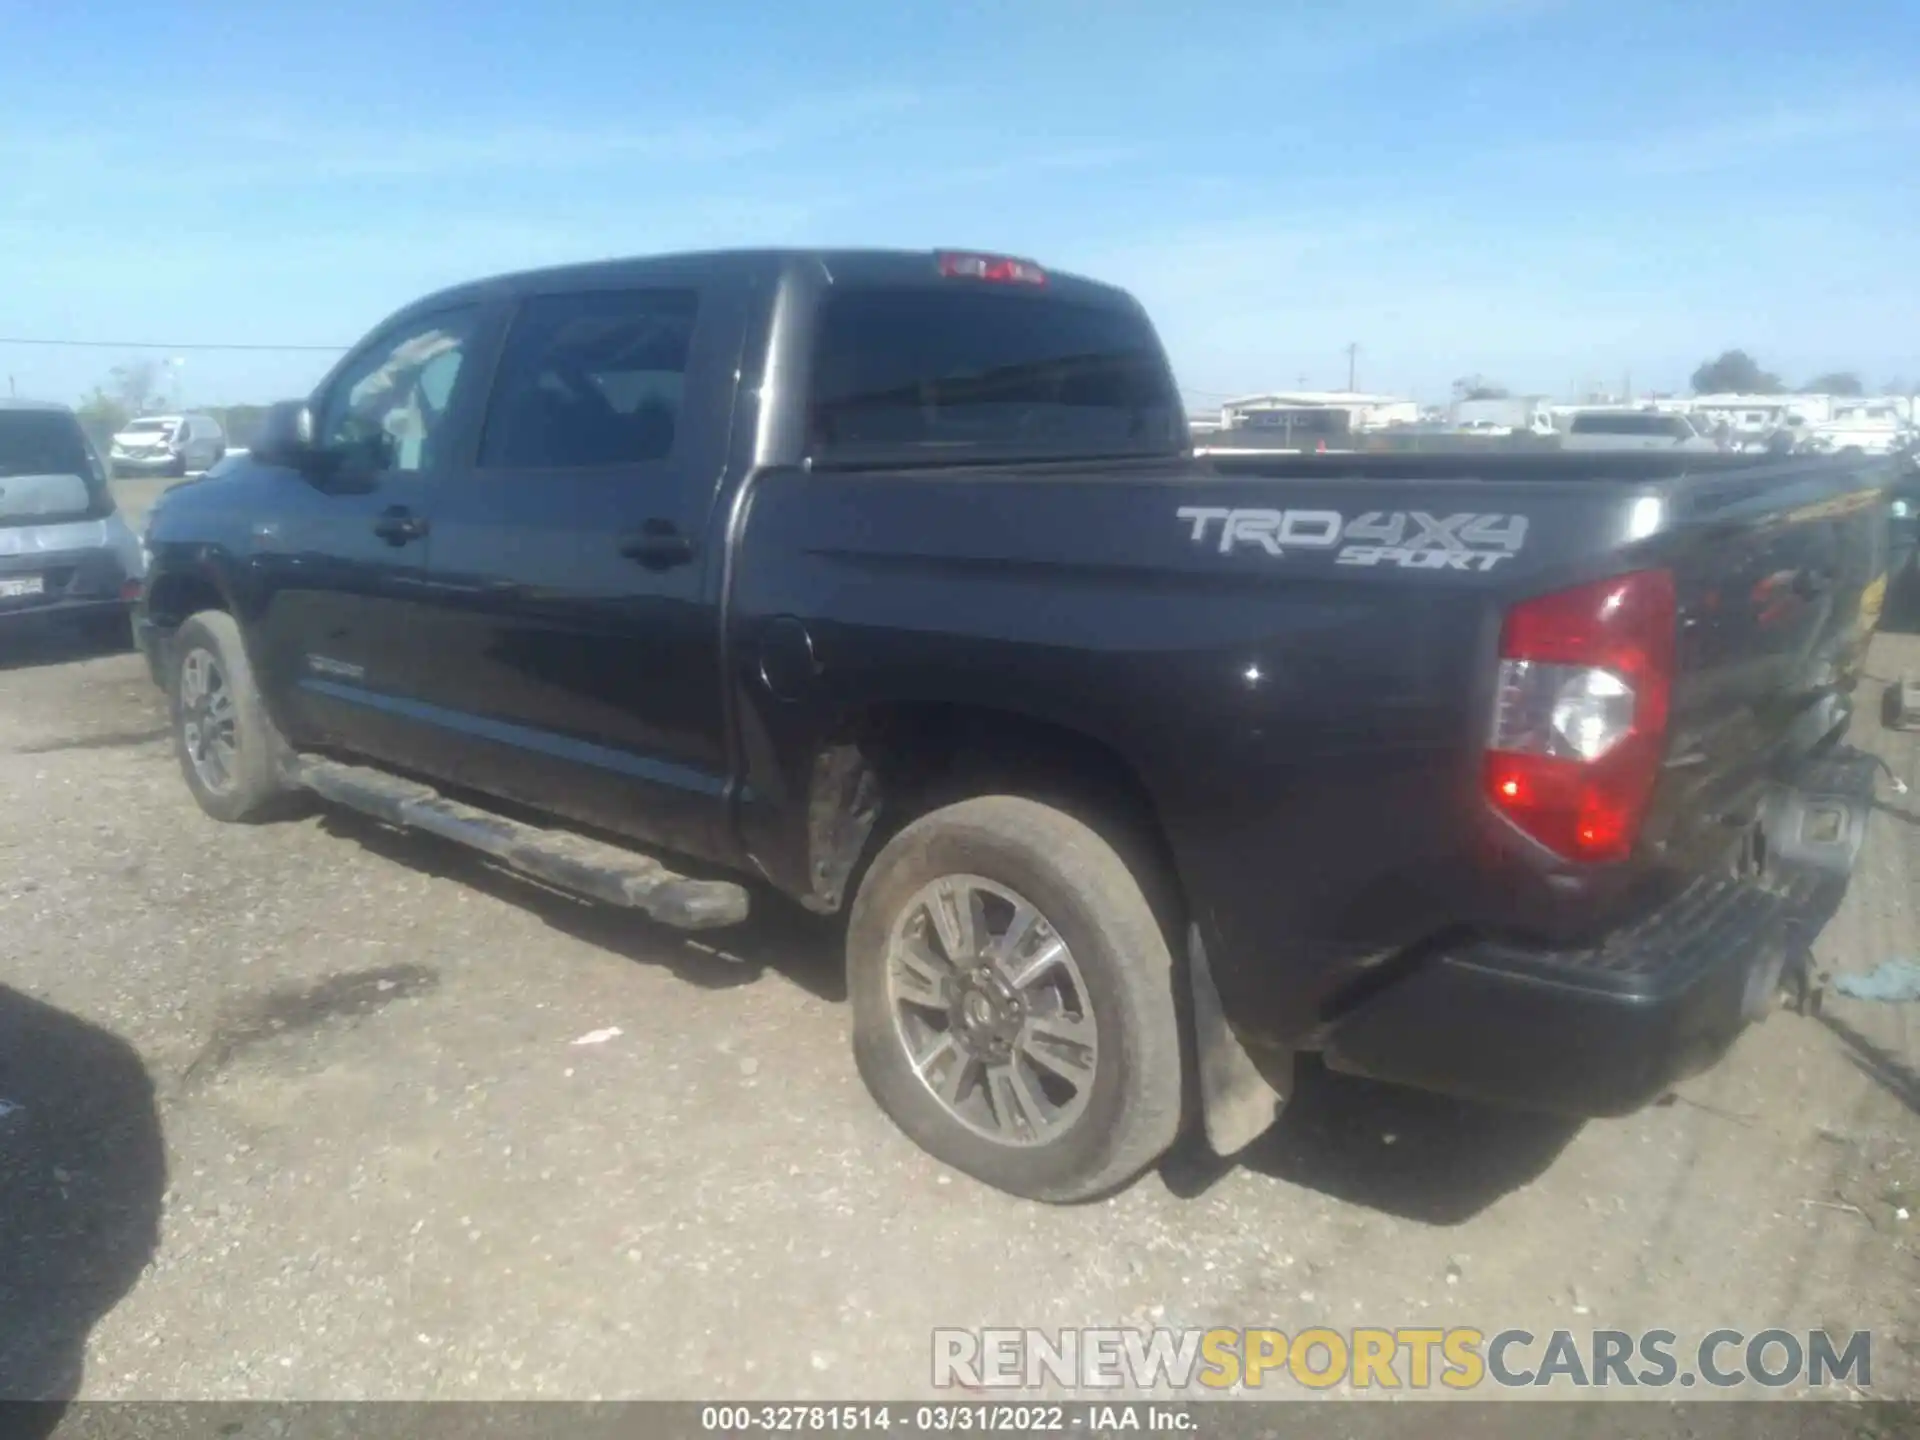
(567, 861)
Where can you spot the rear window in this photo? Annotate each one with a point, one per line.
(47, 446)
(972, 373)
(42, 442)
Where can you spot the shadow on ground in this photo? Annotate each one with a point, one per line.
(31, 641)
(1876, 1062)
(83, 1172)
(1403, 1152)
(1447, 1159)
(777, 936)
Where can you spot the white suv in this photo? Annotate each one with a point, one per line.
(168, 445)
(1634, 430)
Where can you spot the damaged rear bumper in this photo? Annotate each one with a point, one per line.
(1605, 1030)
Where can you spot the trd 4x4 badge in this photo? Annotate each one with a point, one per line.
(1409, 539)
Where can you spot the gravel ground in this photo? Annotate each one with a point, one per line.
(301, 1114)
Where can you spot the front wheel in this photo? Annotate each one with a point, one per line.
(231, 755)
(1013, 1000)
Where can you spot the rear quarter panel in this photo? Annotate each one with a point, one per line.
(1308, 729)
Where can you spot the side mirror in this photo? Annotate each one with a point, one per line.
(286, 436)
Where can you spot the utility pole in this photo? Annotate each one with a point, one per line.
(1353, 352)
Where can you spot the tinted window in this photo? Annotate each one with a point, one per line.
(41, 442)
(591, 380)
(954, 371)
(387, 408)
(47, 445)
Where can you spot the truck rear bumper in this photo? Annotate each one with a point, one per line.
(1605, 1030)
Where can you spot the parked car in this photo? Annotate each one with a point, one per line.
(1861, 430)
(1635, 430)
(168, 445)
(888, 580)
(66, 553)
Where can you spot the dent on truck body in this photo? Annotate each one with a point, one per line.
(843, 803)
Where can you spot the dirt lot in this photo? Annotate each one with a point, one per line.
(297, 1111)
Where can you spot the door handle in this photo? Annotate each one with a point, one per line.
(658, 545)
(399, 525)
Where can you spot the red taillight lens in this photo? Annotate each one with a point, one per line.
(1580, 717)
(1000, 268)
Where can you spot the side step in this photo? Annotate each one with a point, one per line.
(567, 861)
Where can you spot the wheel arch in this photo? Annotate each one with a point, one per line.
(174, 595)
(891, 762)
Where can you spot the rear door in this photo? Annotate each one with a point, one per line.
(575, 661)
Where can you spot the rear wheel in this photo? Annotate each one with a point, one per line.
(1013, 1000)
(230, 753)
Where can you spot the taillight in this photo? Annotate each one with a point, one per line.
(1001, 268)
(1580, 717)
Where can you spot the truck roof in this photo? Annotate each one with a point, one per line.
(850, 266)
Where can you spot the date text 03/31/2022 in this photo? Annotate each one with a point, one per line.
(984, 1417)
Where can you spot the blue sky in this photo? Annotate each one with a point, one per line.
(1542, 193)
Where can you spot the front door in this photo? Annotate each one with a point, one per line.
(577, 571)
(340, 560)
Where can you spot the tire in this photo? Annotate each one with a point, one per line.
(246, 784)
(1117, 966)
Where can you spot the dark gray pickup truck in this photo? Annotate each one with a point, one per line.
(890, 582)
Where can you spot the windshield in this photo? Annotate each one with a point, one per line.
(148, 427)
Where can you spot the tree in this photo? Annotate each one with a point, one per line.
(134, 384)
(1836, 382)
(1475, 387)
(1735, 372)
(100, 412)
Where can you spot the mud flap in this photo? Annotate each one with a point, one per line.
(1237, 1101)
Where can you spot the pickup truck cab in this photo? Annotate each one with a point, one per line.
(889, 581)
